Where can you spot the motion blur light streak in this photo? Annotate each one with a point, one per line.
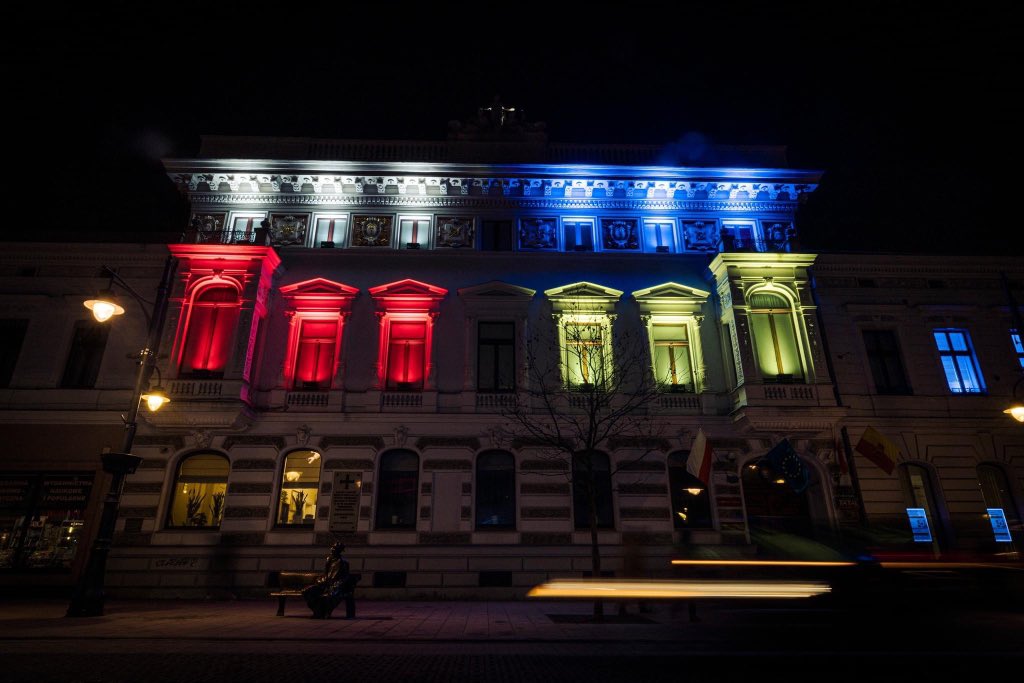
(582, 588)
(762, 563)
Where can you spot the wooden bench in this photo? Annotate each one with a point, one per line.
(290, 585)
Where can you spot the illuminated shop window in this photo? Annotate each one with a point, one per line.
(212, 319)
(414, 232)
(495, 490)
(659, 236)
(771, 320)
(958, 361)
(593, 466)
(87, 346)
(316, 354)
(496, 356)
(406, 362)
(919, 492)
(673, 366)
(397, 487)
(578, 234)
(691, 501)
(330, 230)
(200, 487)
(300, 481)
(41, 519)
(1018, 347)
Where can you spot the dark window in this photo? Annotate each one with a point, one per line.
(495, 490)
(578, 235)
(12, 334)
(396, 490)
(883, 350)
(496, 357)
(595, 468)
(86, 354)
(691, 500)
(496, 236)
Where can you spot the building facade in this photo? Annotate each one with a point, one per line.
(347, 342)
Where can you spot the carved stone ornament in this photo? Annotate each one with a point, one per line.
(700, 235)
(538, 233)
(208, 226)
(620, 234)
(201, 438)
(371, 231)
(454, 232)
(401, 435)
(288, 229)
(302, 435)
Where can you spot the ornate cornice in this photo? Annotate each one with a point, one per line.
(448, 202)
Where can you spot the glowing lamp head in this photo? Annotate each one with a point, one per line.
(155, 398)
(104, 306)
(1016, 411)
(694, 491)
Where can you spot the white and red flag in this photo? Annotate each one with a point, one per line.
(699, 462)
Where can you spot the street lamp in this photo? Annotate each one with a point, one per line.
(88, 597)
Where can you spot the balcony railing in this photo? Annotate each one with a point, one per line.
(401, 399)
(257, 237)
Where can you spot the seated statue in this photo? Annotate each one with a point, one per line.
(336, 584)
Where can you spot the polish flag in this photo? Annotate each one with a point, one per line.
(699, 462)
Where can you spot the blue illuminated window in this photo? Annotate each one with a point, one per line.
(578, 234)
(659, 236)
(959, 361)
(1017, 346)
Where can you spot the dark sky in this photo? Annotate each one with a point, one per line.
(913, 115)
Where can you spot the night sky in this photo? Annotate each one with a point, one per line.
(914, 116)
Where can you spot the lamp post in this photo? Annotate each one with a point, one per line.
(88, 597)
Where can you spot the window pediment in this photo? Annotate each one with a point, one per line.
(583, 297)
(319, 293)
(407, 295)
(671, 298)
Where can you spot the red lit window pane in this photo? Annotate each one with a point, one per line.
(315, 361)
(406, 355)
(210, 329)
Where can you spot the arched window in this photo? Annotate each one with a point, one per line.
(691, 500)
(495, 490)
(995, 488)
(211, 326)
(396, 490)
(300, 481)
(200, 487)
(595, 467)
(919, 492)
(771, 320)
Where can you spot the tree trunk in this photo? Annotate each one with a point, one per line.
(595, 549)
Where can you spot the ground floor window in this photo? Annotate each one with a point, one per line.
(41, 519)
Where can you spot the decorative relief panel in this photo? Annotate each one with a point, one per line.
(288, 228)
(620, 234)
(372, 231)
(700, 235)
(208, 226)
(538, 233)
(455, 232)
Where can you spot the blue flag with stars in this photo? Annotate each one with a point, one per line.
(788, 465)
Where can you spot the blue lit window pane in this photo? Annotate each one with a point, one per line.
(1021, 359)
(958, 341)
(1017, 343)
(967, 373)
(951, 377)
(941, 341)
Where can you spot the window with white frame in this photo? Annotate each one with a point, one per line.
(673, 367)
(413, 232)
(586, 354)
(578, 234)
(243, 226)
(659, 235)
(775, 339)
(963, 376)
(330, 229)
(740, 236)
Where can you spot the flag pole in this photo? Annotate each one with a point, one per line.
(862, 513)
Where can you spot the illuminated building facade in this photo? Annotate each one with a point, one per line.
(345, 339)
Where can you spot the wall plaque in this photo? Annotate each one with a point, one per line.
(345, 501)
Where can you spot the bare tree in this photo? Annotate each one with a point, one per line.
(588, 392)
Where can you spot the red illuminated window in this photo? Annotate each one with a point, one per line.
(212, 321)
(314, 364)
(406, 355)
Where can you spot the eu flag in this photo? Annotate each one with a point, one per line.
(788, 464)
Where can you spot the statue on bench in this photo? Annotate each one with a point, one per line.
(336, 584)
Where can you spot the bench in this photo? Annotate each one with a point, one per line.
(290, 585)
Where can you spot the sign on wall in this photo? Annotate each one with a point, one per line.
(345, 501)
(919, 525)
(1000, 528)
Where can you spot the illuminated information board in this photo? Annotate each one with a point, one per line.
(919, 525)
(999, 526)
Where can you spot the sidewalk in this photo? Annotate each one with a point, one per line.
(255, 620)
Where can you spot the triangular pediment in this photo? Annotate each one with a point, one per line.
(671, 291)
(583, 291)
(319, 285)
(497, 289)
(408, 288)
